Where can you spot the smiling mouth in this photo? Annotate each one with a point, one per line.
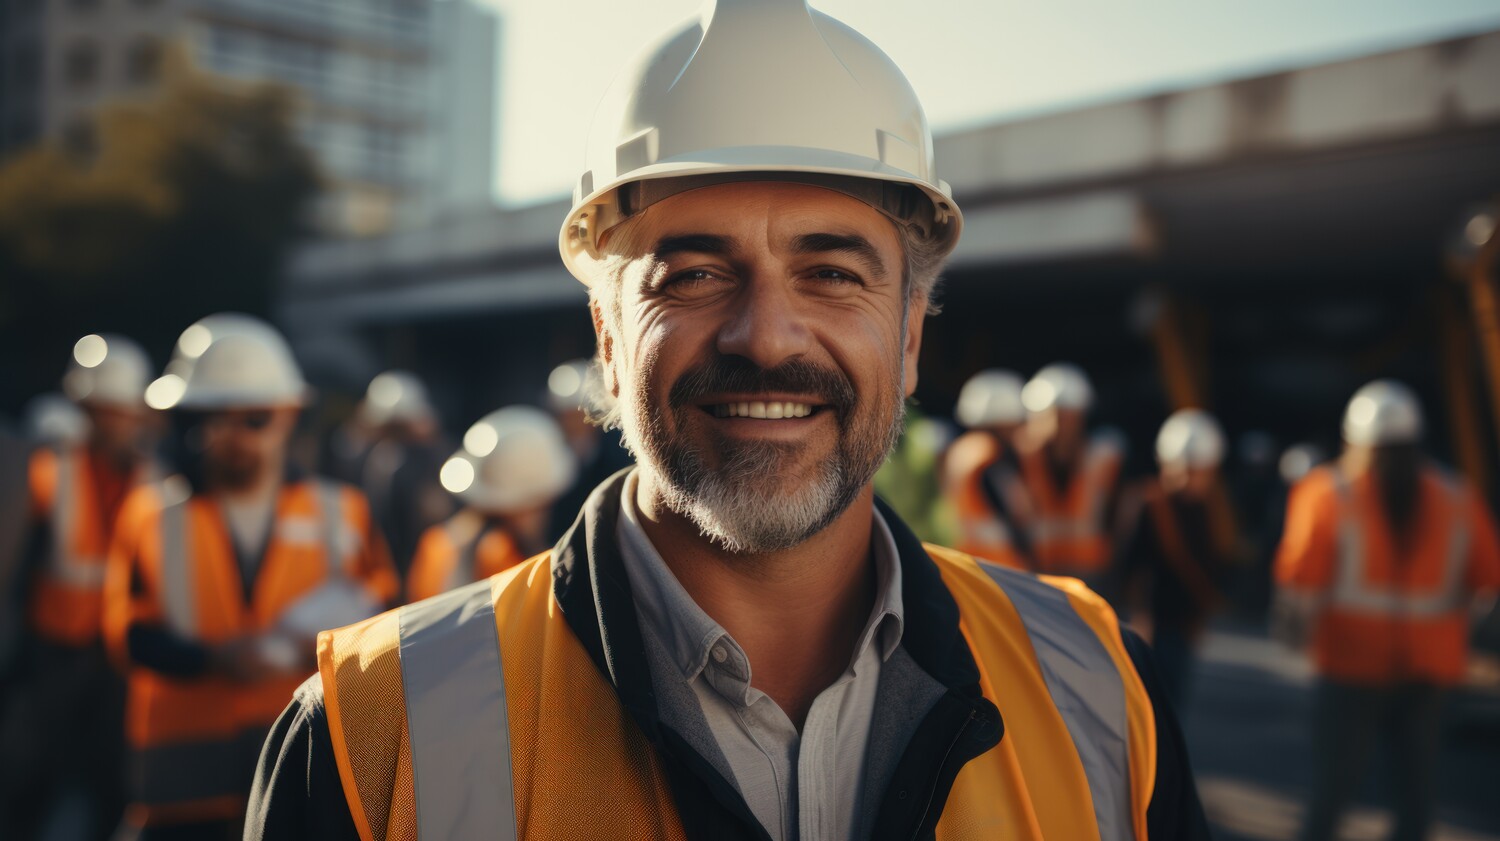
(762, 410)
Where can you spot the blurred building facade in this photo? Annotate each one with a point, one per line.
(398, 95)
(1260, 247)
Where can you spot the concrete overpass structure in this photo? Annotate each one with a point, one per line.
(1262, 245)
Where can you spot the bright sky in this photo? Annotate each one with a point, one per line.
(970, 61)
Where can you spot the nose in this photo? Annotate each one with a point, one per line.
(767, 327)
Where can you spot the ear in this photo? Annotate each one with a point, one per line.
(606, 345)
(916, 316)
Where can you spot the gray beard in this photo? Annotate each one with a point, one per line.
(748, 506)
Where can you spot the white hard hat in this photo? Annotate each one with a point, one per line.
(54, 420)
(1190, 438)
(1060, 385)
(748, 88)
(568, 385)
(165, 391)
(1383, 412)
(107, 370)
(395, 396)
(989, 398)
(514, 459)
(243, 371)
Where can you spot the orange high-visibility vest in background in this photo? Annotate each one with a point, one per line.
(1067, 526)
(1384, 613)
(65, 604)
(459, 551)
(173, 565)
(529, 740)
(982, 531)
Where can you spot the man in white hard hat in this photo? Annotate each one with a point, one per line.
(61, 732)
(736, 640)
(513, 466)
(598, 451)
(399, 472)
(1178, 551)
(1384, 555)
(980, 474)
(218, 581)
(1072, 479)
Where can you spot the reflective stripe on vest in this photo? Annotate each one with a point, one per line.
(177, 569)
(1352, 594)
(65, 566)
(1087, 689)
(456, 715)
(1057, 519)
(454, 686)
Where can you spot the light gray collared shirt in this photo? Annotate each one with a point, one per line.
(800, 786)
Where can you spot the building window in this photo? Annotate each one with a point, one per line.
(81, 64)
(143, 61)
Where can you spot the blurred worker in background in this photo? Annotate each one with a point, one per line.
(1072, 479)
(513, 466)
(980, 473)
(218, 581)
(598, 452)
(736, 640)
(60, 735)
(399, 473)
(1382, 559)
(1174, 562)
(52, 420)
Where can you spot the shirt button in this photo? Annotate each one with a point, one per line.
(720, 655)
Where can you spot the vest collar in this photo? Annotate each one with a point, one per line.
(591, 586)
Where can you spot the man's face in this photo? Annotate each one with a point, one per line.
(117, 431)
(764, 355)
(240, 445)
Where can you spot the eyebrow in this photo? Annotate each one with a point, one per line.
(692, 244)
(851, 244)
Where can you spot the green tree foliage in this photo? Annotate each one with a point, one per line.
(186, 204)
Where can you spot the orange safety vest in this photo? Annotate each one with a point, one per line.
(66, 600)
(1067, 528)
(1383, 615)
(459, 551)
(173, 565)
(982, 532)
(478, 714)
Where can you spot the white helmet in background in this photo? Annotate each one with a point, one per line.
(1382, 413)
(55, 421)
(244, 371)
(1060, 385)
(757, 87)
(395, 396)
(165, 391)
(1190, 438)
(107, 370)
(568, 385)
(514, 459)
(991, 398)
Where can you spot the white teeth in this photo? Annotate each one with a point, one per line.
(768, 411)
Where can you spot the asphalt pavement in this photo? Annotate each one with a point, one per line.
(1247, 724)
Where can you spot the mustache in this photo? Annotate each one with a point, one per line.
(734, 374)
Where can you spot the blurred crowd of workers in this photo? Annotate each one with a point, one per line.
(167, 567)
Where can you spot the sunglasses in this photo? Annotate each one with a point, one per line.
(255, 421)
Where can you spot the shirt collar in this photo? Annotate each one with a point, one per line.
(691, 635)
